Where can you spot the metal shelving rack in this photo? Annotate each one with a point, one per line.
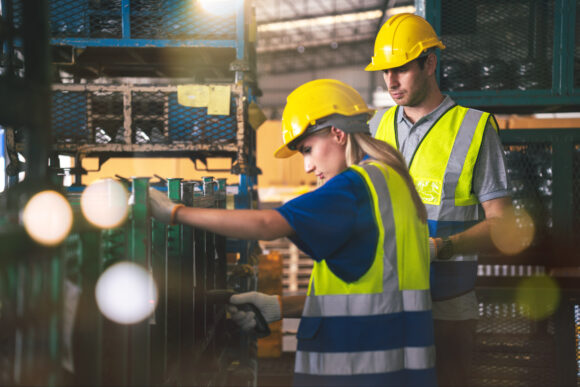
(118, 98)
(518, 56)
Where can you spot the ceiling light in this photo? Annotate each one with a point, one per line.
(219, 7)
(320, 21)
(397, 10)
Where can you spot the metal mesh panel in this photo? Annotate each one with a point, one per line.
(85, 18)
(128, 119)
(529, 170)
(194, 124)
(512, 350)
(495, 45)
(69, 116)
(178, 19)
(106, 116)
(166, 19)
(149, 117)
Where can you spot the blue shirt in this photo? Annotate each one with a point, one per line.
(336, 223)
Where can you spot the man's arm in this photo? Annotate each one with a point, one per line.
(477, 239)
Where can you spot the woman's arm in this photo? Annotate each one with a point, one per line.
(242, 224)
(292, 306)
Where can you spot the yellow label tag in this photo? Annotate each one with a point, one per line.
(219, 100)
(193, 95)
(429, 190)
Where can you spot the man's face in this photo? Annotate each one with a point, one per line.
(408, 85)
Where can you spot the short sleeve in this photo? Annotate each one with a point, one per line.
(490, 179)
(322, 218)
(334, 223)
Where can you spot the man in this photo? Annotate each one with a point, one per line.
(456, 160)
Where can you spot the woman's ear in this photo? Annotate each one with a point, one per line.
(339, 135)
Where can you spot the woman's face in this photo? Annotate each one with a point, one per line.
(324, 153)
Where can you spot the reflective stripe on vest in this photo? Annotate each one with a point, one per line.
(370, 325)
(367, 362)
(442, 169)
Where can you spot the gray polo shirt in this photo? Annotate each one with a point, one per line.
(489, 182)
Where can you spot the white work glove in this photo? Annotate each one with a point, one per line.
(269, 306)
(162, 208)
(432, 249)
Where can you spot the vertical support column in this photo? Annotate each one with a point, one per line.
(173, 280)
(220, 241)
(187, 273)
(37, 70)
(127, 114)
(140, 249)
(161, 331)
(563, 193)
(89, 322)
(125, 19)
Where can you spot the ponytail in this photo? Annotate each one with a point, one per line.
(361, 144)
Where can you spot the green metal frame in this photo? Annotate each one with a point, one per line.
(563, 142)
(562, 92)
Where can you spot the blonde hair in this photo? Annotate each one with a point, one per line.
(359, 145)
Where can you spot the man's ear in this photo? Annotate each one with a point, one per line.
(339, 135)
(431, 63)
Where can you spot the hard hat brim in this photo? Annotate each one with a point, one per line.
(372, 67)
(284, 152)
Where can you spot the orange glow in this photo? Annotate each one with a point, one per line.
(513, 234)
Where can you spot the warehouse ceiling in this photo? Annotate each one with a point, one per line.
(299, 35)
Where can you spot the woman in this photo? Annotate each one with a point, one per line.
(366, 319)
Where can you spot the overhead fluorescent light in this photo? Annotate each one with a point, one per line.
(320, 21)
(397, 10)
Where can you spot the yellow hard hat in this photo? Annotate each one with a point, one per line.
(313, 101)
(401, 39)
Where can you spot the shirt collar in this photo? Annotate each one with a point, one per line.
(443, 106)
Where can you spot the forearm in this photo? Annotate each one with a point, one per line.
(241, 224)
(292, 306)
(478, 238)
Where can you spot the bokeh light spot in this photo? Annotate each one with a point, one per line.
(219, 7)
(105, 203)
(47, 217)
(513, 233)
(126, 293)
(538, 296)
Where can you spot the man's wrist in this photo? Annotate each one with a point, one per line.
(446, 250)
